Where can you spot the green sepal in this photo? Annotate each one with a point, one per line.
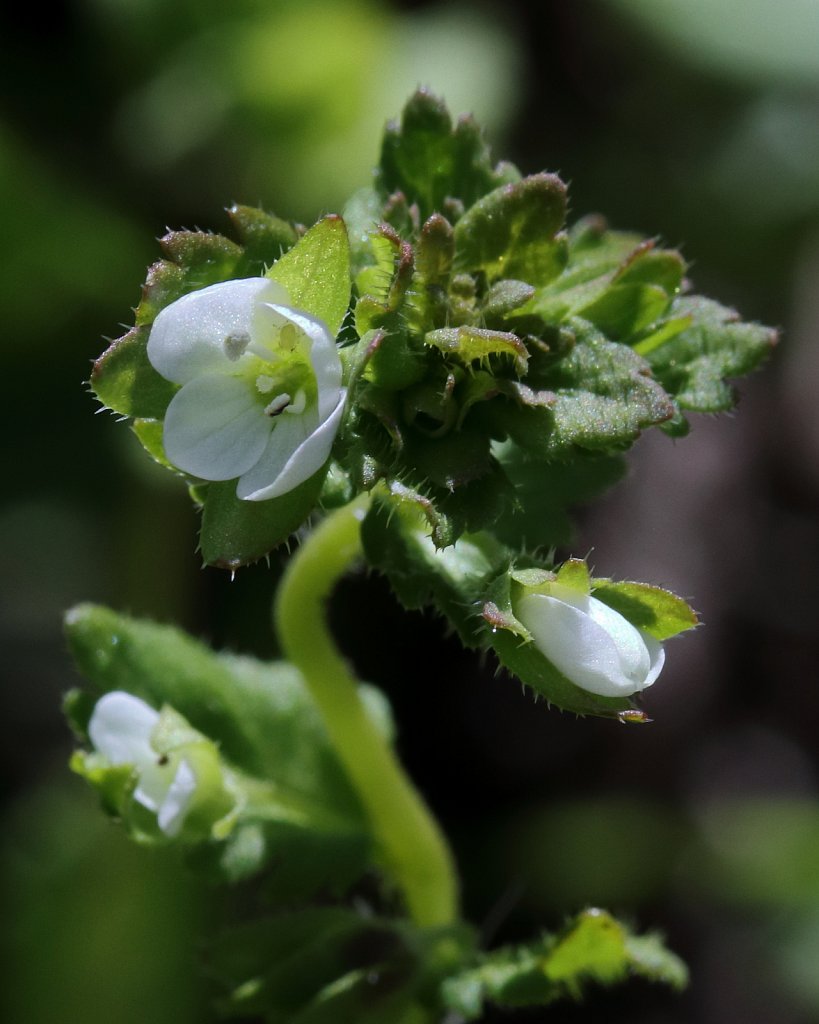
(264, 237)
(150, 435)
(513, 232)
(471, 344)
(511, 641)
(437, 166)
(236, 532)
(298, 811)
(694, 363)
(316, 272)
(594, 948)
(125, 381)
(504, 297)
(659, 612)
(194, 260)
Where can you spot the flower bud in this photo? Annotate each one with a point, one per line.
(591, 644)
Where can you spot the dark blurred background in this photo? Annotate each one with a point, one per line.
(698, 122)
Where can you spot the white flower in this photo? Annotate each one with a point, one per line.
(594, 646)
(261, 395)
(120, 729)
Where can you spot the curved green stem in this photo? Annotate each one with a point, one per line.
(411, 845)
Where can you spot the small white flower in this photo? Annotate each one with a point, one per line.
(261, 396)
(120, 729)
(594, 646)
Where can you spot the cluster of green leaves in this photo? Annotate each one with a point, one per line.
(498, 363)
(505, 361)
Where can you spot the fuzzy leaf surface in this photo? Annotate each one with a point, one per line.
(431, 161)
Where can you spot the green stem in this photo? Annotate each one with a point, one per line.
(411, 844)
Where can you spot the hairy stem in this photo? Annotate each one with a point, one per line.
(410, 843)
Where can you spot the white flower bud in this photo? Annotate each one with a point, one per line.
(591, 644)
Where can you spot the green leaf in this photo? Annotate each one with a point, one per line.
(125, 381)
(545, 492)
(604, 396)
(236, 532)
(264, 237)
(471, 344)
(693, 364)
(513, 232)
(304, 813)
(594, 949)
(431, 162)
(331, 965)
(316, 272)
(657, 611)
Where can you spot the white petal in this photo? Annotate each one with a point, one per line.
(187, 338)
(174, 807)
(575, 644)
(214, 427)
(656, 653)
(121, 727)
(294, 453)
(633, 653)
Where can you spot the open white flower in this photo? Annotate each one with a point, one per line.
(594, 646)
(261, 396)
(120, 729)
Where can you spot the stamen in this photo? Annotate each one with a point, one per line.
(298, 404)
(265, 383)
(235, 344)
(278, 405)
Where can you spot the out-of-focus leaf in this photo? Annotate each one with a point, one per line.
(431, 161)
(594, 949)
(513, 232)
(693, 364)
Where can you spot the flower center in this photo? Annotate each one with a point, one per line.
(283, 379)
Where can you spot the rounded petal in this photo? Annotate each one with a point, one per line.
(656, 654)
(296, 450)
(631, 648)
(120, 729)
(576, 645)
(174, 807)
(188, 337)
(214, 427)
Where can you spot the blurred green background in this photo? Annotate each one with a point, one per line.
(698, 122)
